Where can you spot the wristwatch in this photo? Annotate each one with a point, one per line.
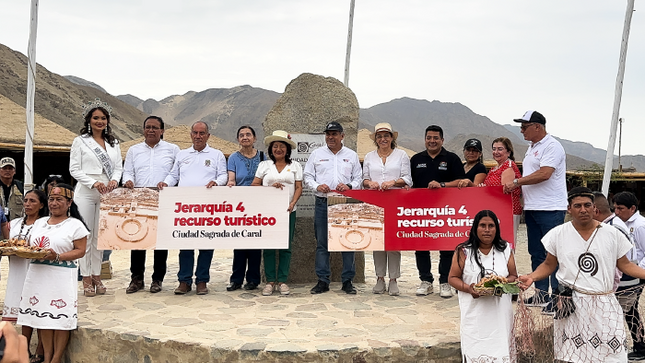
(349, 186)
(442, 184)
(516, 181)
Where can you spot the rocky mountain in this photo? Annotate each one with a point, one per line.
(411, 117)
(81, 82)
(224, 109)
(59, 100)
(587, 151)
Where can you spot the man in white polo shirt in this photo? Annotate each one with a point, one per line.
(544, 188)
(146, 164)
(198, 165)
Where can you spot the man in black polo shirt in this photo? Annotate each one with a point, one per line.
(435, 168)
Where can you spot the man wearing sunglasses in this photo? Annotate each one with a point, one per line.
(544, 188)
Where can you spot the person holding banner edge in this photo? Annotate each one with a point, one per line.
(383, 169)
(95, 162)
(280, 172)
(544, 188)
(146, 164)
(435, 168)
(330, 168)
(242, 165)
(198, 165)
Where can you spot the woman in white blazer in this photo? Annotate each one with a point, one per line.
(95, 162)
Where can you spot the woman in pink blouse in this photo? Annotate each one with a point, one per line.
(505, 172)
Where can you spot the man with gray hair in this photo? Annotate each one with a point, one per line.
(196, 166)
(544, 188)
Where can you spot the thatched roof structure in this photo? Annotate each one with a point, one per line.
(48, 135)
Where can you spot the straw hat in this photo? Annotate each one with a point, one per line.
(384, 126)
(279, 135)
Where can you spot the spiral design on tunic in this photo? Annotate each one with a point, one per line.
(587, 263)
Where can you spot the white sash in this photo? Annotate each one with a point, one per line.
(100, 154)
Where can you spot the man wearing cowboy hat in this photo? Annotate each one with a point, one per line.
(331, 168)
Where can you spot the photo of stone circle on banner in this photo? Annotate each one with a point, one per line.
(194, 218)
(412, 220)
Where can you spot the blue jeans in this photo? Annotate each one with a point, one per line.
(187, 262)
(538, 223)
(322, 254)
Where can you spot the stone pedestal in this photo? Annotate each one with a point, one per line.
(308, 103)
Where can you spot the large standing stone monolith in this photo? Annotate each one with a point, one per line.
(308, 103)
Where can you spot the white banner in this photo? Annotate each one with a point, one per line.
(223, 218)
(195, 218)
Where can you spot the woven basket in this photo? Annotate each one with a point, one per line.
(484, 291)
(37, 255)
(7, 251)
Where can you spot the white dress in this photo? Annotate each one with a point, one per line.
(49, 297)
(17, 272)
(486, 322)
(595, 332)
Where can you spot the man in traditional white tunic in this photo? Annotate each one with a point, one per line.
(587, 252)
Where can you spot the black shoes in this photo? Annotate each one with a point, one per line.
(349, 288)
(233, 286)
(250, 286)
(135, 285)
(636, 355)
(320, 287)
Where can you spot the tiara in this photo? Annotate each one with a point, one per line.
(94, 104)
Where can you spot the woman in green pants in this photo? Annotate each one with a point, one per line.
(280, 172)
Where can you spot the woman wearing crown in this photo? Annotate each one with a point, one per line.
(95, 162)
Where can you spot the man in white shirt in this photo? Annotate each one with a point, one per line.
(626, 207)
(331, 168)
(544, 189)
(195, 166)
(147, 164)
(587, 252)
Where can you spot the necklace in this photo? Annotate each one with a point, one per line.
(22, 225)
(385, 155)
(481, 254)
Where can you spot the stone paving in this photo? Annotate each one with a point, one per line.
(246, 326)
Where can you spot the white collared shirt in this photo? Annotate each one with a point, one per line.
(636, 229)
(550, 194)
(397, 166)
(198, 168)
(325, 167)
(146, 166)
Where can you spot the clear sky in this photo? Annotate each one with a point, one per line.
(499, 58)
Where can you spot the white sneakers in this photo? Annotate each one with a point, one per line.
(445, 290)
(379, 288)
(425, 288)
(282, 288)
(268, 289)
(393, 288)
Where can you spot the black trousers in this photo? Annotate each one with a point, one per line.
(633, 318)
(138, 264)
(240, 258)
(424, 265)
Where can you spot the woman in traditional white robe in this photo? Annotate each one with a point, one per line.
(486, 321)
